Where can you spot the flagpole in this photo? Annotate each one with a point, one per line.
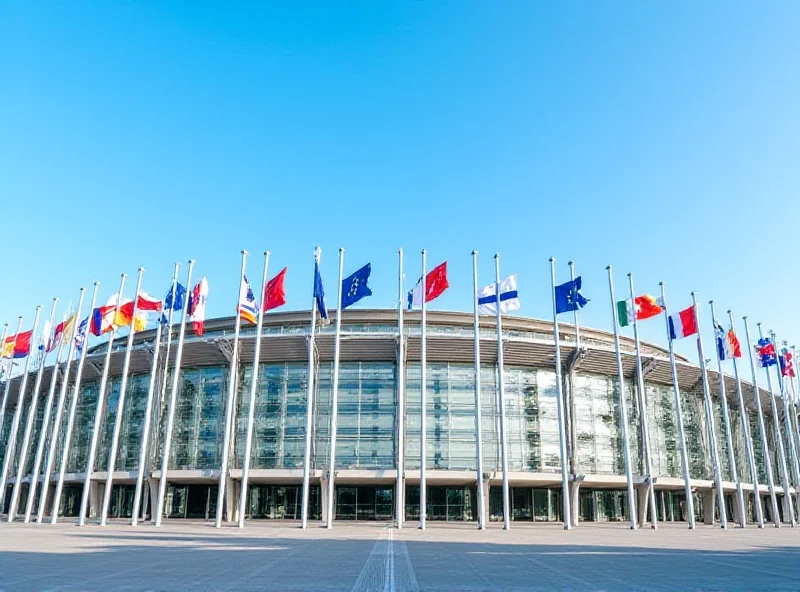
(778, 438)
(12, 435)
(787, 420)
(48, 408)
(148, 411)
(62, 397)
(623, 404)
(123, 387)
(679, 417)
(776, 517)
(748, 441)
(335, 393)
(793, 407)
(569, 399)
(723, 515)
(72, 407)
(562, 436)
(501, 402)
(310, 399)
(251, 409)
(478, 414)
(22, 461)
(7, 386)
(401, 407)
(99, 410)
(728, 435)
(176, 372)
(423, 396)
(5, 374)
(230, 406)
(648, 466)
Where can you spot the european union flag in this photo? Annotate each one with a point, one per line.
(568, 296)
(178, 304)
(355, 287)
(319, 293)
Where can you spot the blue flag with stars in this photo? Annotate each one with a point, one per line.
(319, 292)
(176, 305)
(568, 296)
(355, 287)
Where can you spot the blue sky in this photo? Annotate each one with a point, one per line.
(662, 138)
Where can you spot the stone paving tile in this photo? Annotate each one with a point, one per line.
(194, 556)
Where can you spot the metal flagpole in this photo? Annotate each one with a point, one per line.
(310, 399)
(99, 410)
(723, 397)
(478, 415)
(776, 517)
(623, 404)
(723, 515)
(7, 388)
(679, 416)
(148, 413)
(123, 387)
(784, 469)
(501, 403)
(230, 406)
(748, 441)
(251, 408)
(562, 435)
(423, 398)
(648, 465)
(176, 371)
(793, 407)
(335, 393)
(401, 391)
(48, 408)
(62, 399)
(22, 461)
(568, 384)
(72, 408)
(12, 435)
(795, 470)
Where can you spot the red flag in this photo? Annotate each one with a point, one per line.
(436, 282)
(274, 294)
(146, 303)
(22, 344)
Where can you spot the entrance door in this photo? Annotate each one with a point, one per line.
(346, 500)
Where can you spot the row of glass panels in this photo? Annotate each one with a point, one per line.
(367, 421)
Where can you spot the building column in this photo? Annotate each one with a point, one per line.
(96, 490)
(323, 497)
(574, 500)
(709, 506)
(786, 510)
(736, 517)
(486, 488)
(641, 504)
(231, 499)
(152, 486)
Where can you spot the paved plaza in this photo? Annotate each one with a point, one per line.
(196, 556)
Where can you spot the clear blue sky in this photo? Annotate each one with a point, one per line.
(660, 137)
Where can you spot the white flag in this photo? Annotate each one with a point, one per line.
(509, 300)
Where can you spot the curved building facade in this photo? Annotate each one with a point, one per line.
(368, 443)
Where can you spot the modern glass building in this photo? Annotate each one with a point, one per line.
(369, 443)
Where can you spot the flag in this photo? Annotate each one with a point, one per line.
(147, 303)
(766, 353)
(8, 346)
(62, 330)
(509, 300)
(102, 319)
(787, 363)
(568, 296)
(274, 294)
(22, 344)
(248, 307)
(47, 337)
(727, 344)
(319, 292)
(80, 336)
(435, 284)
(355, 287)
(643, 307)
(197, 306)
(180, 297)
(682, 324)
